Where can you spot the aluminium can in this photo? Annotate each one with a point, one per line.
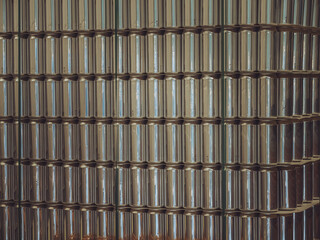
(248, 143)
(36, 15)
(52, 15)
(105, 223)
(156, 224)
(6, 140)
(156, 142)
(232, 222)
(315, 19)
(121, 65)
(71, 223)
(174, 187)
(316, 221)
(267, 101)
(192, 187)
(85, 53)
(316, 179)
(287, 189)
(87, 141)
(154, 14)
(70, 140)
(248, 13)
(6, 181)
(315, 105)
(308, 223)
(36, 54)
(121, 104)
(248, 226)
(124, 187)
(192, 143)
(191, 97)
(8, 214)
(154, 52)
(137, 98)
(102, 52)
(316, 138)
(23, 97)
(173, 96)
(285, 141)
(139, 186)
(88, 223)
(267, 49)
(233, 188)
(231, 97)
(248, 97)
(296, 50)
(299, 184)
(69, 15)
(306, 96)
(122, 14)
(297, 224)
(267, 12)
(307, 182)
(269, 227)
(210, 49)
(297, 84)
(286, 226)
(306, 15)
(138, 138)
(211, 193)
(212, 225)
(86, 15)
(268, 189)
(25, 225)
(248, 51)
(231, 12)
(87, 94)
(306, 46)
(297, 140)
(124, 220)
(39, 220)
(211, 139)
(88, 184)
(25, 140)
(70, 97)
(6, 55)
(172, 14)
(315, 52)
(174, 225)
(156, 186)
(173, 140)
(24, 186)
(121, 141)
(248, 189)
(173, 52)
(137, 14)
(103, 89)
(155, 98)
(139, 220)
(307, 152)
(191, 51)
(232, 143)
(55, 183)
(53, 97)
(285, 89)
(102, 17)
(297, 8)
(190, 13)
(231, 50)
(37, 98)
(71, 186)
(285, 50)
(23, 54)
(210, 14)
(39, 185)
(105, 183)
(6, 21)
(286, 12)
(210, 97)
(104, 140)
(192, 225)
(53, 141)
(70, 54)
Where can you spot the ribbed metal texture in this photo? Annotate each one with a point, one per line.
(150, 112)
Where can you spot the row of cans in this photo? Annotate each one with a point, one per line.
(85, 223)
(172, 143)
(247, 189)
(173, 98)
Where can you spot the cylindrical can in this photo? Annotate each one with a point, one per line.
(296, 96)
(285, 89)
(307, 140)
(248, 226)
(102, 50)
(139, 186)
(190, 13)
(139, 220)
(155, 98)
(70, 141)
(87, 139)
(52, 15)
(231, 141)
(191, 51)
(39, 220)
(37, 100)
(174, 187)
(154, 12)
(156, 224)
(105, 181)
(55, 183)
(174, 225)
(231, 97)
(192, 191)
(315, 105)
(36, 15)
(71, 184)
(71, 223)
(88, 184)
(285, 51)
(269, 227)
(233, 187)
(316, 179)
(122, 14)
(308, 223)
(268, 189)
(70, 55)
(191, 97)
(8, 214)
(248, 12)
(137, 98)
(25, 225)
(231, 12)
(87, 102)
(231, 49)
(173, 140)
(307, 182)
(210, 97)
(156, 186)
(105, 223)
(286, 226)
(124, 197)
(24, 186)
(138, 142)
(211, 147)
(267, 139)
(70, 91)
(288, 188)
(316, 221)
(248, 51)
(6, 99)
(122, 53)
(38, 141)
(210, 47)
(88, 224)
(316, 138)
(23, 97)
(306, 96)
(192, 225)
(306, 46)
(192, 143)
(232, 226)
(6, 21)
(124, 220)
(86, 53)
(297, 140)
(36, 57)
(69, 15)
(248, 134)
(121, 141)
(85, 15)
(211, 192)
(6, 140)
(103, 89)
(155, 142)
(172, 14)
(173, 93)
(296, 49)
(248, 189)
(22, 53)
(104, 139)
(38, 182)
(137, 15)
(53, 97)
(268, 99)
(315, 19)
(297, 9)
(299, 184)
(6, 55)
(297, 224)
(173, 54)
(210, 14)
(248, 97)
(315, 52)
(53, 141)
(267, 45)
(25, 139)
(285, 142)
(121, 106)
(6, 181)
(267, 12)
(154, 55)
(212, 225)
(137, 56)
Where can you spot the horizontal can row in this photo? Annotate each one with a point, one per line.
(85, 223)
(246, 143)
(191, 188)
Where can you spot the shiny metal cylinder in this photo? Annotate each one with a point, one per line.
(315, 105)
(154, 14)
(307, 182)
(248, 51)
(296, 49)
(122, 53)
(211, 149)
(69, 15)
(70, 97)
(86, 15)
(124, 197)
(248, 94)
(38, 140)
(88, 223)
(174, 225)
(85, 52)
(296, 96)
(155, 98)
(55, 221)
(190, 50)
(37, 103)
(139, 219)
(231, 97)
(52, 15)
(316, 179)
(231, 13)
(156, 224)
(316, 220)
(192, 142)
(210, 48)
(121, 140)
(25, 140)
(23, 97)
(299, 184)
(269, 227)
(123, 14)
(36, 15)
(87, 102)
(268, 189)
(6, 55)
(248, 147)
(55, 181)
(192, 191)
(191, 97)
(139, 186)
(53, 97)
(138, 142)
(285, 53)
(248, 225)
(297, 141)
(36, 54)
(137, 14)
(285, 89)
(38, 182)
(25, 183)
(104, 141)
(306, 15)
(6, 181)
(286, 226)
(231, 50)
(172, 13)
(105, 223)
(267, 100)
(285, 139)
(104, 182)
(156, 186)
(306, 96)
(7, 140)
(232, 221)
(70, 136)
(211, 192)
(126, 222)
(39, 219)
(102, 50)
(288, 189)
(70, 54)
(267, 49)
(248, 189)
(210, 97)
(88, 184)
(53, 132)
(8, 226)
(137, 56)
(267, 133)
(6, 21)
(103, 89)
(154, 51)
(307, 140)
(155, 142)
(26, 227)
(190, 13)
(232, 143)
(23, 53)
(193, 222)
(174, 187)
(316, 138)
(267, 12)
(71, 181)
(307, 223)
(233, 188)
(173, 143)
(121, 108)
(297, 224)
(87, 139)
(315, 54)
(173, 93)
(211, 225)
(306, 46)
(248, 12)
(137, 98)
(173, 52)
(72, 223)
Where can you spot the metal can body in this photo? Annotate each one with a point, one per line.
(70, 55)
(52, 15)
(121, 141)
(191, 51)
(286, 226)
(71, 180)
(38, 182)
(267, 45)
(55, 221)
(296, 96)
(174, 225)
(87, 141)
(6, 181)
(316, 179)
(7, 214)
(210, 97)
(211, 147)
(53, 97)
(212, 225)
(268, 185)
(156, 186)
(122, 52)
(53, 141)
(210, 51)
(137, 14)
(231, 141)
(248, 51)
(154, 51)
(299, 184)
(105, 223)
(267, 100)
(137, 98)
(268, 143)
(172, 14)
(36, 55)
(70, 98)
(231, 14)
(233, 187)
(285, 53)
(6, 22)
(156, 224)
(285, 97)
(231, 50)
(297, 141)
(192, 191)
(104, 140)
(210, 14)
(88, 223)
(137, 58)
(193, 222)
(121, 107)
(267, 12)
(87, 103)
(174, 187)
(173, 140)
(105, 181)
(23, 97)
(38, 141)
(211, 192)
(231, 97)
(139, 187)
(70, 131)
(192, 142)
(139, 221)
(285, 142)
(25, 148)
(39, 219)
(103, 89)
(6, 54)
(173, 52)
(6, 99)
(248, 134)
(248, 189)
(288, 189)
(173, 93)
(307, 140)
(6, 140)
(232, 226)
(248, 12)
(124, 191)
(88, 184)
(315, 96)
(307, 182)
(125, 221)
(102, 50)
(155, 98)
(69, 18)
(25, 185)
(269, 227)
(55, 181)
(72, 223)
(248, 97)
(191, 97)
(138, 142)
(248, 225)
(85, 15)
(155, 143)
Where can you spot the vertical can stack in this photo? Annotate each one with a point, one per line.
(137, 107)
